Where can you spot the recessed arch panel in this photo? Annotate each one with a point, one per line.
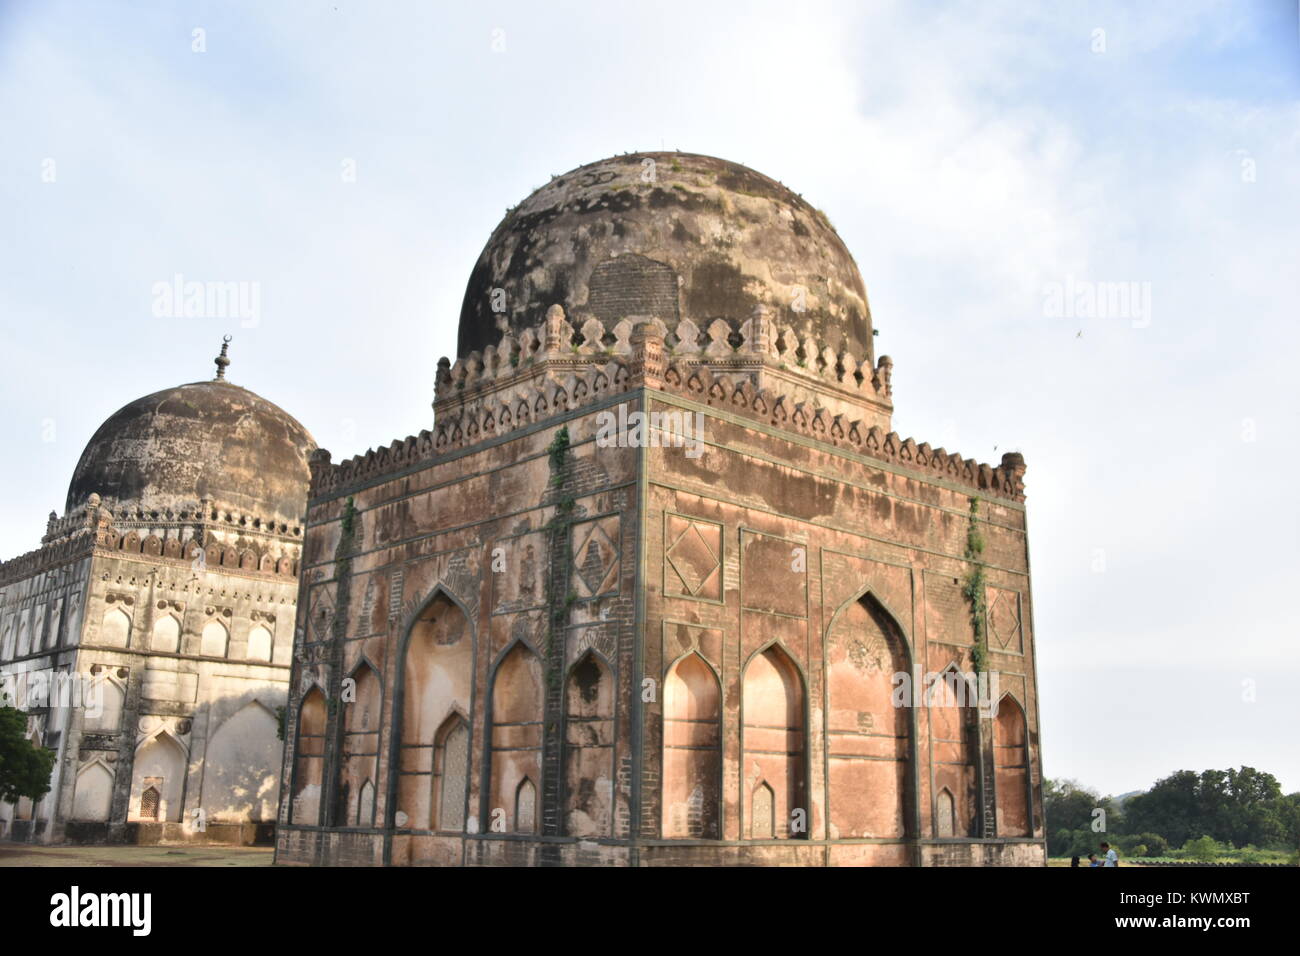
(775, 745)
(692, 762)
(436, 685)
(869, 743)
(515, 739)
(1011, 758)
(589, 748)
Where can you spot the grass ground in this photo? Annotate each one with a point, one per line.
(22, 854)
(1065, 861)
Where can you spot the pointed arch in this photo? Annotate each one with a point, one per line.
(871, 769)
(160, 764)
(435, 680)
(774, 737)
(1011, 763)
(150, 799)
(365, 805)
(451, 773)
(166, 637)
(525, 815)
(945, 814)
(309, 758)
(94, 793)
(115, 631)
(589, 747)
(241, 766)
(515, 735)
(24, 635)
(214, 640)
(952, 709)
(762, 812)
(359, 745)
(105, 700)
(692, 758)
(260, 643)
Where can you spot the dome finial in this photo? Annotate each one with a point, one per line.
(222, 360)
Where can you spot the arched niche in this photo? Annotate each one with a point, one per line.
(871, 778)
(451, 774)
(94, 793)
(515, 738)
(437, 676)
(259, 643)
(692, 758)
(589, 748)
(166, 637)
(160, 764)
(309, 759)
(945, 814)
(359, 755)
(105, 698)
(1011, 759)
(116, 628)
(774, 741)
(214, 639)
(952, 705)
(241, 767)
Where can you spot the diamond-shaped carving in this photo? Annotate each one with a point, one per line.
(320, 618)
(1004, 619)
(595, 559)
(693, 561)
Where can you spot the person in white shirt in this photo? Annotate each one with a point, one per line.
(1112, 858)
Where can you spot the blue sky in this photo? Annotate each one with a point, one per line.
(971, 155)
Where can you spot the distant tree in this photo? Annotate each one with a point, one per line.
(1232, 806)
(1143, 844)
(1069, 807)
(1203, 849)
(1287, 812)
(24, 768)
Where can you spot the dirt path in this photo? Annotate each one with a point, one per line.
(23, 854)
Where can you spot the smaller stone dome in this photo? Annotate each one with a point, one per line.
(167, 451)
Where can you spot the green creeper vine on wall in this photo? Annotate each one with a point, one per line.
(558, 601)
(347, 533)
(974, 588)
(342, 577)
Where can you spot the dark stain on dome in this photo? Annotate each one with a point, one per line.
(733, 237)
(213, 440)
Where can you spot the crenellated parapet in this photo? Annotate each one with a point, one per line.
(767, 350)
(226, 539)
(47, 556)
(757, 371)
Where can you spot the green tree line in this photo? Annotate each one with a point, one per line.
(1232, 814)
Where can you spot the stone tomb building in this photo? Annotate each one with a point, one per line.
(149, 637)
(532, 635)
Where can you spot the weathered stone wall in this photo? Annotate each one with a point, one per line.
(536, 547)
(706, 549)
(188, 661)
(800, 533)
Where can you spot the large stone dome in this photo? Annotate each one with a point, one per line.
(672, 235)
(207, 440)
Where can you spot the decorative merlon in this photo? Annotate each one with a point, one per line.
(758, 342)
(484, 396)
(262, 546)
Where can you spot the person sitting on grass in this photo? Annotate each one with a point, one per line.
(1092, 860)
